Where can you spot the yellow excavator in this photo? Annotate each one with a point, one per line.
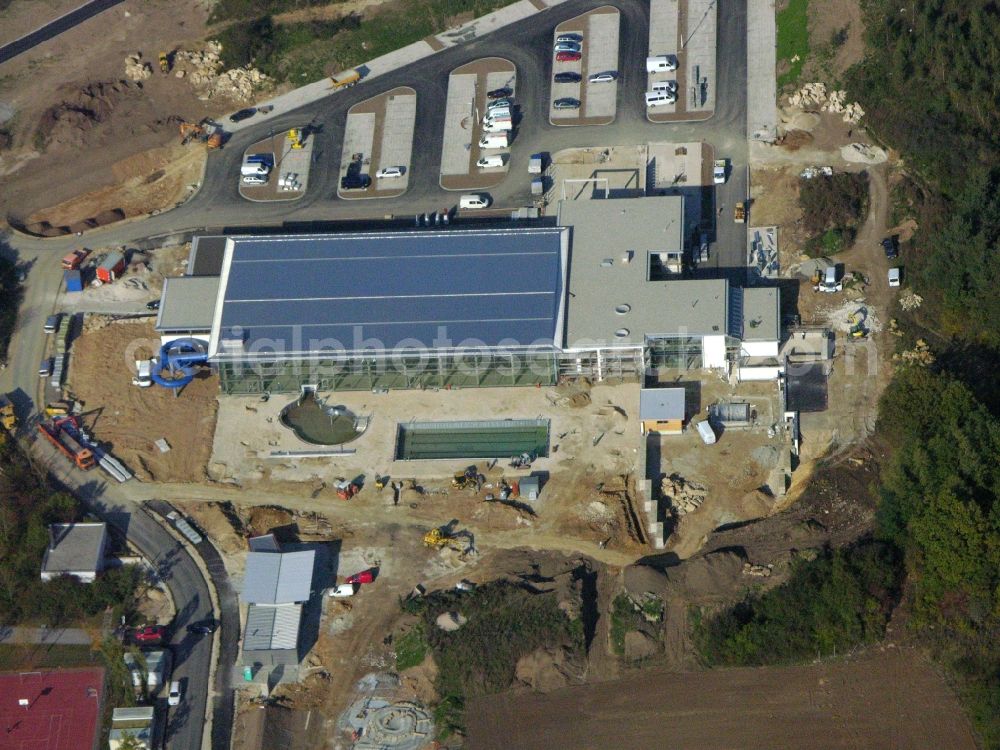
(438, 539)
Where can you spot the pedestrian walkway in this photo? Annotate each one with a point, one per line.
(396, 59)
(762, 87)
(48, 636)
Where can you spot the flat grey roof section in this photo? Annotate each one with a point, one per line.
(206, 256)
(451, 289)
(187, 303)
(761, 314)
(278, 577)
(79, 547)
(272, 628)
(611, 303)
(661, 403)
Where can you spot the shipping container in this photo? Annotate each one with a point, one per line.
(111, 268)
(74, 281)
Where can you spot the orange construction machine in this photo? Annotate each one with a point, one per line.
(207, 132)
(63, 434)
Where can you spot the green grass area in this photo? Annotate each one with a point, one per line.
(793, 40)
(22, 657)
(411, 648)
(624, 617)
(304, 52)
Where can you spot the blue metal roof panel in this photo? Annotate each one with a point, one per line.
(399, 288)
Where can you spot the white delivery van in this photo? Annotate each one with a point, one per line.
(143, 369)
(249, 169)
(503, 113)
(659, 98)
(494, 140)
(661, 64)
(474, 200)
(490, 162)
(706, 433)
(665, 86)
(498, 126)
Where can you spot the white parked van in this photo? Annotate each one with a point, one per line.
(174, 696)
(254, 168)
(706, 433)
(659, 98)
(668, 86)
(494, 140)
(661, 64)
(143, 373)
(503, 113)
(474, 200)
(490, 162)
(498, 126)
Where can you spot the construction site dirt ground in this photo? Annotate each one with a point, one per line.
(48, 161)
(881, 699)
(130, 419)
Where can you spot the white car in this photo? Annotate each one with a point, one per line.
(389, 172)
(895, 276)
(174, 696)
(606, 77)
(576, 38)
(342, 591)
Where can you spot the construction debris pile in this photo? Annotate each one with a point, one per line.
(202, 69)
(683, 496)
(136, 69)
(762, 254)
(920, 355)
(757, 571)
(815, 96)
(909, 300)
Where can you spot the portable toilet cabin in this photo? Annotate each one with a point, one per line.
(111, 268)
(74, 281)
(529, 487)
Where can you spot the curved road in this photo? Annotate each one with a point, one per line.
(218, 206)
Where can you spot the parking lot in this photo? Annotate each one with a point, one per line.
(685, 31)
(468, 89)
(378, 136)
(289, 175)
(597, 33)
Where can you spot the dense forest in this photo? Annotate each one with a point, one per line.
(930, 83)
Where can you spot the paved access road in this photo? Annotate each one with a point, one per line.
(54, 28)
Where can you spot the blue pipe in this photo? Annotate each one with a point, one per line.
(179, 356)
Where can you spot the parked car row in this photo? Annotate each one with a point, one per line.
(664, 91)
(568, 48)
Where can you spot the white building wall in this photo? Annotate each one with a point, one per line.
(759, 348)
(713, 352)
(759, 373)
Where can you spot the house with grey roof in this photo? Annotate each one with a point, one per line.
(75, 549)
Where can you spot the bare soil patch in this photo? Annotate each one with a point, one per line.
(836, 38)
(74, 116)
(131, 419)
(889, 699)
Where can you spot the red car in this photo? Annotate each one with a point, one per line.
(365, 576)
(151, 635)
(567, 56)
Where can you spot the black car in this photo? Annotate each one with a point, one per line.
(567, 102)
(154, 305)
(566, 78)
(205, 627)
(500, 93)
(355, 182)
(243, 114)
(891, 246)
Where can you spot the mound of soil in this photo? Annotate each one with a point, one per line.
(69, 123)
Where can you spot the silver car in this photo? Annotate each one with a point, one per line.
(568, 47)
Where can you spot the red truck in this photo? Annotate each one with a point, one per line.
(72, 261)
(60, 432)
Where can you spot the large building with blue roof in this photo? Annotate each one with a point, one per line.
(390, 309)
(589, 295)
